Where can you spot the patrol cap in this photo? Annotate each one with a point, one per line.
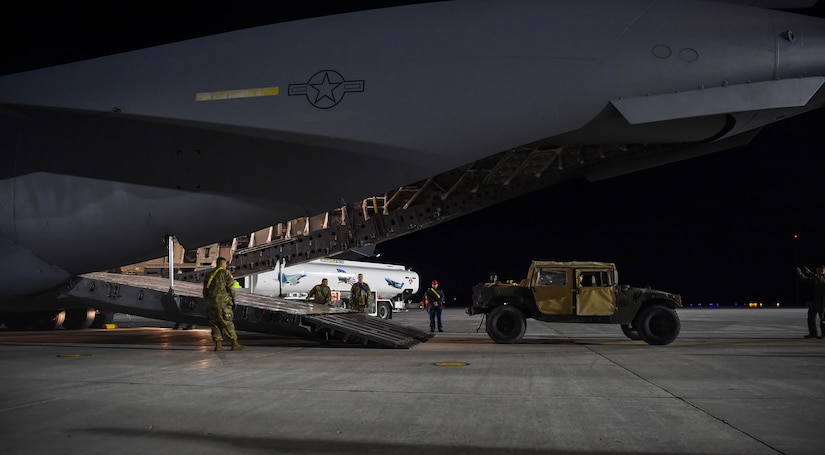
(435, 282)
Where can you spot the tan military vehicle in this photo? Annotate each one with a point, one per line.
(576, 292)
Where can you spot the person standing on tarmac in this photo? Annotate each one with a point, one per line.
(320, 293)
(219, 291)
(817, 307)
(359, 294)
(434, 300)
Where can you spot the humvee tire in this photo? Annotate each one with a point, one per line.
(658, 325)
(631, 332)
(506, 324)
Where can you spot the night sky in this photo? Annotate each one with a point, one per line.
(718, 228)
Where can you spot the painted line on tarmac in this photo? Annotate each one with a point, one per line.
(631, 343)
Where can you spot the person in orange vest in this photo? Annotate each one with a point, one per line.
(434, 300)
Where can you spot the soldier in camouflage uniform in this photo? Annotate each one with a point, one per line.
(817, 307)
(320, 293)
(359, 294)
(219, 291)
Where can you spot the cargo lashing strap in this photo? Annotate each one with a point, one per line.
(478, 329)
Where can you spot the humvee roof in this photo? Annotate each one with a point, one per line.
(576, 264)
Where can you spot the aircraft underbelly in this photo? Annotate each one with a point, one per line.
(63, 226)
(22, 273)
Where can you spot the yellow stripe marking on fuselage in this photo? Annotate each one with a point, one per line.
(235, 94)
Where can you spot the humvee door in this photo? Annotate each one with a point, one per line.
(596, 296)
(553, 290)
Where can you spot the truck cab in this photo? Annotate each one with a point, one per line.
(585, 290)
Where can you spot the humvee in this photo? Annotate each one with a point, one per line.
(576, 292)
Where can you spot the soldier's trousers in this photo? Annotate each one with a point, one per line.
(815, 311)
(220, 320)
(435, 316)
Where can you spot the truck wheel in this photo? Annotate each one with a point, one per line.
(384, 310)
(631, 332)
(659, 325)
(506, 324)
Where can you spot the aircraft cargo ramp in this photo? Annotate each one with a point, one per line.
(151, 297)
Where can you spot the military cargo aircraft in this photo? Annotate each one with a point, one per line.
(104, 158)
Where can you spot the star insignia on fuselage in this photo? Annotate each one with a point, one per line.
(325, 89)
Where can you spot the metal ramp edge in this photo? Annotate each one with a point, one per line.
(366, 329)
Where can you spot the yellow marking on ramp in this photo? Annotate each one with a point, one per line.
(72, 355)
(235, 94)
(451, 364)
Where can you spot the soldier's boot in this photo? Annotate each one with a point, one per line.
(237, 346)
(218, 346)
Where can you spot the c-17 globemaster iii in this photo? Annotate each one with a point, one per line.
(104, 158)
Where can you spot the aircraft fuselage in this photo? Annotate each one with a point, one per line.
(213, 136)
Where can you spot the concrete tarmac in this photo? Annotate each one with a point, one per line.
(736, 381)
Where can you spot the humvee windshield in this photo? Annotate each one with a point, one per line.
(552, 278)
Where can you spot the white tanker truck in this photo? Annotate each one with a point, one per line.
(389, 282)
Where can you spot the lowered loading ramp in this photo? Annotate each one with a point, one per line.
(151, 297)
(359, 326)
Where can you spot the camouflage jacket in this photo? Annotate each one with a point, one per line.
(359, 294)
(218, 287)
(320, 294)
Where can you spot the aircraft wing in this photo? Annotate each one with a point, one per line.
(748, 97)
